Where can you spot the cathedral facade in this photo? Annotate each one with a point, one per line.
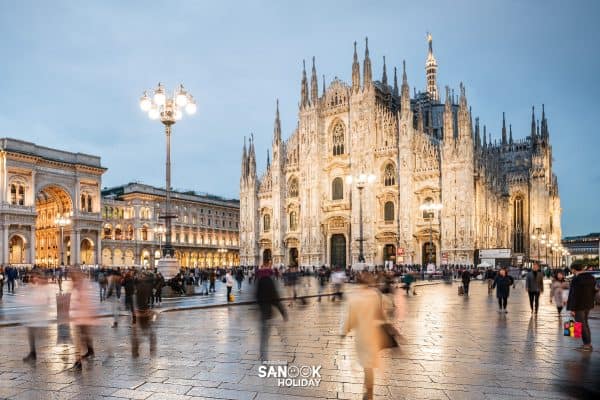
(442, 190)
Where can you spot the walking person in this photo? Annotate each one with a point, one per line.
(159, 283)
(229, 284)
(267, 297)
(144, 283)
(581, 300)
(212, 278)
(129, 285)
(466, 280)
(239, 277)
(1, 282)
(502, 283)
(84, 316)
(534, 284)
(11, 276)
(559, 292)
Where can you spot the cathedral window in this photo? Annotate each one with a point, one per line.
(337, 189)
(293, 188)
(338, 139)
(388, 212)
(518, 225)
(293, 221)
(389, 175)
(266, 222)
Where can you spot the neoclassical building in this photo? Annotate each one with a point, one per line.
(205, 234)
(494, 193)
(39, 184)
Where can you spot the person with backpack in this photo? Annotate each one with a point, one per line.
(502, 283)
(581, 301)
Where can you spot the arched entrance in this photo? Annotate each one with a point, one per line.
(145, 258)
(389, 253)
(266, 256)
(87, 252)
(338, 250)
(52, 202)
(428, 250)
(293, 257)
(16, 249)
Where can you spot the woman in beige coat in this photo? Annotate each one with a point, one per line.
(365, 316)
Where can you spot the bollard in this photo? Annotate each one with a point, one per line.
(63, 304)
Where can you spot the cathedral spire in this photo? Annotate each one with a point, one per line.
(355, 72)
(268, 159)
(533, 137)
(405, 99)
(503, 129)
(244, 159)
(384, 78)
(448, 118)
(314, 85)
(420, 118)
(484, 136)
(545, 133)
(510, 138)
(431, 70)
(367, 73)
(251, 157)
(477, 133)
(304, 87)
(323, 85)
(277, 127)
(395, 90)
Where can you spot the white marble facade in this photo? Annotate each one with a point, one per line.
(494, 194)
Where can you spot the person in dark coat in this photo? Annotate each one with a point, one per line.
(466, 279)
(534, 283)
(581, 301)
(129, 285)
(267, 297)
(502, 284)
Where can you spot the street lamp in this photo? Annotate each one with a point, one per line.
(430, 207)
(169, 109)
(362, 180)
(159, 230)
(62, 221)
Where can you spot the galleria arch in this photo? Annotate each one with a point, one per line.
(37, 185)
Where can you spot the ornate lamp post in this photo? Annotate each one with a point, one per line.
(169, 109)
(62, 221)
(361, 181)
(430, 208)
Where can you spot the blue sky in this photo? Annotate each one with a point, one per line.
(71, 74)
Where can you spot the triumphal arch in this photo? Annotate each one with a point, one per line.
(49, 206)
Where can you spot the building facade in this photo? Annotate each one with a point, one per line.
(39, 184)
(302, 210)
(584, 247)
(205, 233)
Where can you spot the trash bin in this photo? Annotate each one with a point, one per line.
(63, 304)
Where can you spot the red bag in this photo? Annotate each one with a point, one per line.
(577, 330)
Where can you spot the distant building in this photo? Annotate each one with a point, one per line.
(582, 247)
(205, 234)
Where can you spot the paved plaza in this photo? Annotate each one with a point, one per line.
(453, 348)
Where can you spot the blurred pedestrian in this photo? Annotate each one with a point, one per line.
(581, 300)
(212, 279)
(37, 312)
(129, 285)
(1, 282)
(84, 316)
(267, 297)
(229, 285)
(239, 277)
(466, 280)
(144, 316)
(338, 278)
(502, 283)
(559, 292)
(365, 316)
(159, 283)
(534, 284)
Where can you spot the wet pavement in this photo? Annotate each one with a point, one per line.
(453, 348)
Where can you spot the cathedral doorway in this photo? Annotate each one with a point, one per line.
(428, 251)
(389, 253)
(267, 257)
(87, 252)
(338, 251)
(293, 257)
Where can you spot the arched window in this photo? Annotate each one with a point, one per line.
(266, 222)
(144, 232)
(389, 175)
(17, 194)
(337, 189)
(293, 221)
(338, 139)
(89, 203)
(428, 214)
(518, 225)
(388, 212)
(13, 194)
(293, 188)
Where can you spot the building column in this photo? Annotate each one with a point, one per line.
(32, 246)
(99, 247)
(76, 247)
(4, 232)
(3, 179)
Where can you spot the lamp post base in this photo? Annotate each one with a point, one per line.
(168, 267)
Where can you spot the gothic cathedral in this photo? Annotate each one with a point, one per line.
(442, 190)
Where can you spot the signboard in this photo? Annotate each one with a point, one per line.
(494, 253)
(488, 262)
(400, 251)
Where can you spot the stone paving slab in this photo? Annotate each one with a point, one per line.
(452, 348)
